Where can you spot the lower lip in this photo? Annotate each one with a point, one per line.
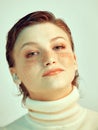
(53, 73)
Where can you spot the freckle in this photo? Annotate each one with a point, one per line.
(66, 54)
(63, 54)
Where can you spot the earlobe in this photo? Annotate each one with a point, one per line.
(14, 76)
(16, 79)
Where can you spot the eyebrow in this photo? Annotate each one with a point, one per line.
(35, 43)
(27, 44)
(56, 38)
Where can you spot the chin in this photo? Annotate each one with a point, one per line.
(57, 84)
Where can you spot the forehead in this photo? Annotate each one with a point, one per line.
(43, 31)
(40, 27)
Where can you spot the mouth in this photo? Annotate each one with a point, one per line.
(52, 72)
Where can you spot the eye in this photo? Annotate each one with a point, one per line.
(32, 54)
(59, 47)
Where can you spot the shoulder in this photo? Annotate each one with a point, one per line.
(92, 117)
(2, 128)
(19, 124)
(92, 114)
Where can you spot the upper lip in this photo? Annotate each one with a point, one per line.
(52, 71)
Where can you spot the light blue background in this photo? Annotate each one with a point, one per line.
(82, 18)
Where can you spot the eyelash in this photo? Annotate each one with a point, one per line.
(59, 47)
(31, 54)
(56, 48)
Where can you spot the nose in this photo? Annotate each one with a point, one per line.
(49, 59)
(49, 63)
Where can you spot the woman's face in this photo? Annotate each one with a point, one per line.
(44, 61)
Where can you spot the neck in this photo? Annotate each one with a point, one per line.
(64, 111)
(51, 95)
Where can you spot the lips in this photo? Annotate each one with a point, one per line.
(52, 72)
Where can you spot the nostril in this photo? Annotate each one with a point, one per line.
(48, 64)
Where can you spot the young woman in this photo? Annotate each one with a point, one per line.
(42, 61)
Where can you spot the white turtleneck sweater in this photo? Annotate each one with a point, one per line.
(62, 114)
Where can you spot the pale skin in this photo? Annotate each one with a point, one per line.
(44, 61)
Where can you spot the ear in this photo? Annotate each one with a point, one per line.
(75, 62)
(16, 80)
(12, 70)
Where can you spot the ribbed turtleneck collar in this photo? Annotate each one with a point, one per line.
(64, 111)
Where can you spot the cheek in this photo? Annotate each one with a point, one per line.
(67, 59)
(30, 64)
(25, 67)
